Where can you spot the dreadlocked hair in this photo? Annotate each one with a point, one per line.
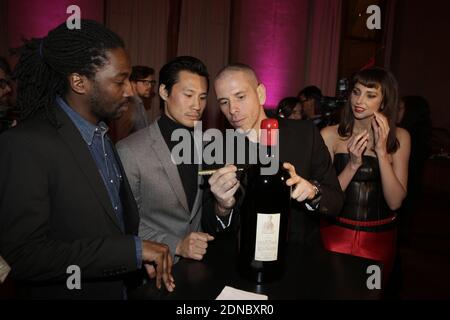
(45, 64)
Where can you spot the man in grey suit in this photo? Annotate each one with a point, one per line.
(168, 195)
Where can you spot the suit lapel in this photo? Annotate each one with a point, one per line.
(86, 163)
(163, 154)
(130, 210)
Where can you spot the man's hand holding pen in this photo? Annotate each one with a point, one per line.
(224, 184)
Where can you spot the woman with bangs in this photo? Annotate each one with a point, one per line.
(370, 156)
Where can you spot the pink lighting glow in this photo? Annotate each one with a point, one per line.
(27, 19)
(273, 40)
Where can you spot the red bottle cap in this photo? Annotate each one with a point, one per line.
(269, 132)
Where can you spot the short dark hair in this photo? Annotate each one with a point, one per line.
(237, 66)
(314, 93)
(286, 106)
(311, 92)
(45, 64)
(141, 72)
(168, 75)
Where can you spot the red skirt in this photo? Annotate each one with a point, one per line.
(375, 245)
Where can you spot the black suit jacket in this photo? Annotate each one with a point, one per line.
(55, 212)
(301, 145)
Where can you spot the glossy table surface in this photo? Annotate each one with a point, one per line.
(309, 274)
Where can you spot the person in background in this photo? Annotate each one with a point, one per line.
(371, 159)
(168, 195)
(143, 82)
(136, 117)
(290, 108)
(310, 100)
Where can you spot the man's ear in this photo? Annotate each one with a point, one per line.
(134, 87)
(78, 83)
(261, 91)
(163, 92)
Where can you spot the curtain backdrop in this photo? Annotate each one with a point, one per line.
(204, 33)
(388, 35)
(323, 45)
(25, 19)
(201, 29)
(3, 29)
(290, 43)
(143, 26)
(35, 18)
(271, 36)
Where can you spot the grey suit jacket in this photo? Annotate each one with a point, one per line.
(157, 188)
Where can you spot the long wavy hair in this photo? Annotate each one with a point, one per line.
(374, 78)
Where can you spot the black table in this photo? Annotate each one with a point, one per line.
(309, 274)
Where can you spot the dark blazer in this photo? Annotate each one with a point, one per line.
(301, 145)
(55, 212)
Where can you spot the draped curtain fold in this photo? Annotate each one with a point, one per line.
(388, 35)
(204, 33)
(290, 43)
(143, 26)
(271, 36)
(323, 47)
(3, 29)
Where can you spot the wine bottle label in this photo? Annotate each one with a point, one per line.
(267, 232)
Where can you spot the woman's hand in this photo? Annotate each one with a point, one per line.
(381, 129)
(356, 146)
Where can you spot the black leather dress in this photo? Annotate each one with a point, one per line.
(366, 225)
(364, 199)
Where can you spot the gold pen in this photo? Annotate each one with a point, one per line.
(211, 172)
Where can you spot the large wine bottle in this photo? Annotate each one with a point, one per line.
(264, 213)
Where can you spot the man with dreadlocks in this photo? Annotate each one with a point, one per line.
(64, 198)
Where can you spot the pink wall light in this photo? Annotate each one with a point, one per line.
(28, 19)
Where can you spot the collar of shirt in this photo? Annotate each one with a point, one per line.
(87, 129)
(168, 126)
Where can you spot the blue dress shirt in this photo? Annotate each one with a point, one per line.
(102, 152)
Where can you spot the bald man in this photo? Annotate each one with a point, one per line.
(315, 188)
